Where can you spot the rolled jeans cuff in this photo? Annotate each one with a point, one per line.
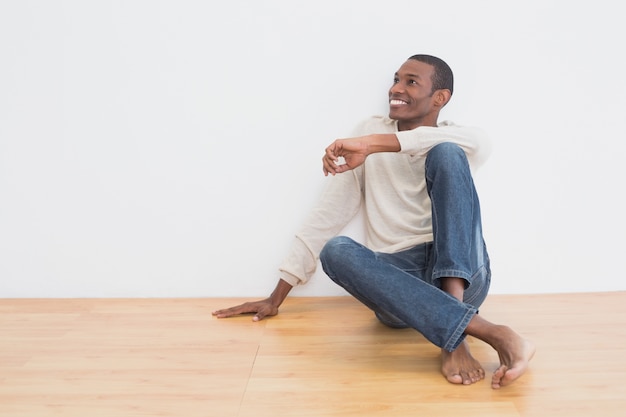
(459, 333)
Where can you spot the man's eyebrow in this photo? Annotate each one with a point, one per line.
(409, 75)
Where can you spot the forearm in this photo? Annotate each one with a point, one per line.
(383, 142)
(474, 141)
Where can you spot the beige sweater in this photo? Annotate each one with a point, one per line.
(391, 188)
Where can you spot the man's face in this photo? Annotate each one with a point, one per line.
(410, 96)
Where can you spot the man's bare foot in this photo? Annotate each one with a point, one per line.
(460, 367)
(515, 353)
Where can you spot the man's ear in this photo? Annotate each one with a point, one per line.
(442, 97)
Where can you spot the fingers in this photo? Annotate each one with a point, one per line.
(329, 161)
(261, 310)
(233, 311)
(329, 167)
(228, 312)
(333, 160)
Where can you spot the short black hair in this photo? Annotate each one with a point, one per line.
(442, 76)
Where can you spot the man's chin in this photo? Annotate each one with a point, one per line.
(393, 115)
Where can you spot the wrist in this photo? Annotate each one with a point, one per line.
(280, 293)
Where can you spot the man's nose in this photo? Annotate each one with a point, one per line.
(396, 88)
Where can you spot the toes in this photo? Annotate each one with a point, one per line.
(455, 379)
(477, 376)
(474, 376)
(467, 379)
(497, 377)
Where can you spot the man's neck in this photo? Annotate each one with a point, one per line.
(410, 126)
(428, 120)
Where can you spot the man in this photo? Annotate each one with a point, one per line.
(425, 265)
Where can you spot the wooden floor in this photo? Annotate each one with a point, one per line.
(320, 357)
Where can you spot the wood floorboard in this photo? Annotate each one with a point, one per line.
(322, 356)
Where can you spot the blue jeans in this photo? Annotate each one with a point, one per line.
(403, 288)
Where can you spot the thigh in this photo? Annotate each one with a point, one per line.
(419, 261)
(415, 261)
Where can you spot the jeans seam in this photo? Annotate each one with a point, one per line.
(459, 333)
(451, 273)
(477, 292)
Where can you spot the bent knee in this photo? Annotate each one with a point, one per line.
(445, 150)
(336, 247)
(446, 155)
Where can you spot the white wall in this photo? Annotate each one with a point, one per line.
(172, 148)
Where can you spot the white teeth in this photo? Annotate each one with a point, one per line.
(396, 102)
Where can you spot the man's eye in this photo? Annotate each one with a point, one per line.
(396, 80)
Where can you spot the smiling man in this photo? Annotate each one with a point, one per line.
(424, 264)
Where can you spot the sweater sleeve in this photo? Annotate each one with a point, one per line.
(339, 203)
(472, 140)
